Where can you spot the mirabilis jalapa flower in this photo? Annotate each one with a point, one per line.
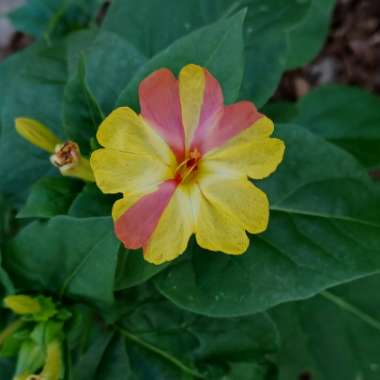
(183, 166)
(65, 156)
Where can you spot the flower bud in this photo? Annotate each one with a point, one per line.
(21, 304)
(54, 365)
(36, 133)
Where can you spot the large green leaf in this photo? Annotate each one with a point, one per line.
(111, 63)
(104, 69)
(115, 363)
(88, 363)
(54, 18)
(6, 285)
(324, 229)
(266, 41)
(91, 202)
(335, 335)
(218, 47)
(134, 270)
(265, 31)
(165, 342)
(81, 112)
(69, 256)
(307, 38)
(152, 339)
(41, 71)
(6, 368)
(50, 196)
(347, 116)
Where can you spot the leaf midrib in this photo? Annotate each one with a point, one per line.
(288, 210)
(352, 309)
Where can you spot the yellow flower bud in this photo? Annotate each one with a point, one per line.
(37, 134)
(54, 365)
(21, 304)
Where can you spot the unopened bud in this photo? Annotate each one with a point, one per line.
(21, 304)
(36, 133)
(53, 368)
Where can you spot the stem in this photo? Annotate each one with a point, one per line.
(352, 309)
(158, 351)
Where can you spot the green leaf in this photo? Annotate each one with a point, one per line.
(104, 69)
(81, 112)
(6, 285)
(54, 18)
(134, 270)
(115, 363)
(200, 347)
(266, 58)
(41, 71)
(6, 368)
(91, 202)
(324, 230)
(50, 196)
(335, 335)
(280, 111)
(346, 116)
(88, 364)
(265, 32)
(266, 45)
(75, 257)
(218, 47)
(111, 63)
(307, 38)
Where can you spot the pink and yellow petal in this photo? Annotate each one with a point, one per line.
(239, 199)
(236, 118)
(161, 109)
(202, 103)
(191, 89)
(121, 172)
(125, 131)
(215, 230)
(136, 225)
(250, 153)
(173, 231)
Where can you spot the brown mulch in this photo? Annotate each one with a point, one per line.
(351, 54)
(17, 42)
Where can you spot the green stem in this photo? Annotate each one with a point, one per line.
(352, 309)
(157, 351)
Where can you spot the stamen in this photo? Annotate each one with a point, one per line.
(187, 166)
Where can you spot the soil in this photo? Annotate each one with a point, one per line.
(351, 54)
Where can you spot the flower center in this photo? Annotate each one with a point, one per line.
(188, 168)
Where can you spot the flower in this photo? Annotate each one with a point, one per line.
(183, 166)
(65, 156)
